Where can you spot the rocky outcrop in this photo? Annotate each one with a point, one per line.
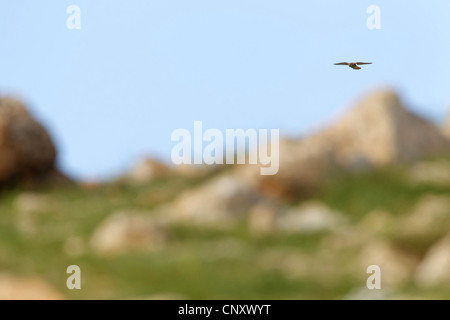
(378, 131)
(26, 149)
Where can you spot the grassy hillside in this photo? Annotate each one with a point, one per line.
(198, 262)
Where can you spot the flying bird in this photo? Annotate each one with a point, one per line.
(353, 65)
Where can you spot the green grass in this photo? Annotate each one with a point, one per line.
(388, 189)
(189, 265)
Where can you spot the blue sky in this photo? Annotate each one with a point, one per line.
(116, 89)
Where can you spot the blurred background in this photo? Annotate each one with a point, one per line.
(86, 117)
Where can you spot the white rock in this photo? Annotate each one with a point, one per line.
(434, 270)
(123, 231)
(218, 201)
(310, 217)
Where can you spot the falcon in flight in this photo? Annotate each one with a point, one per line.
(353, 65)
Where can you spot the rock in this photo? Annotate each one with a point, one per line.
(218, 201)
(434, 270)
(300, 173)
(310, 217)
(377, 132)
(27, 151)
(380, 131)
(397, 266)
(147, 170)
(27, 288)
(124, 231)
(429, 219)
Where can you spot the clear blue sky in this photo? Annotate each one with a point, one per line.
(137, 70)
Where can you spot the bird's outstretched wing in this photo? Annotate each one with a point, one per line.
(360, 63)
(341, 64)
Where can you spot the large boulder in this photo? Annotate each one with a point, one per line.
(378, 131)
(217, 202)
(26, 149)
